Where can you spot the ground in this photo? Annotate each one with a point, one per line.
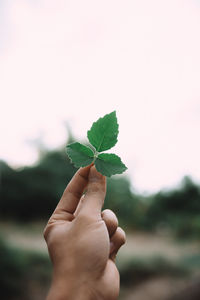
(139, 244)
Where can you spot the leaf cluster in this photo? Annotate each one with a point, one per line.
(102, 136)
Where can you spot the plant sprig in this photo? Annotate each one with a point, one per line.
(102, 136)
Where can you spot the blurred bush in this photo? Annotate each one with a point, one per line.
(11, 271)
(177, 210)
(20, 271)
(33, 192)
(123, 202)
(136, 270)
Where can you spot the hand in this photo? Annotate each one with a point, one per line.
(83, 241)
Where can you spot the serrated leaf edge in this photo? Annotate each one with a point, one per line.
(125, 167)
(114, 111)
(71, 158)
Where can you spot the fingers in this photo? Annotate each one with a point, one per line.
(117, 240)
(117, 234)
(73, 192)
(111, 221)
(94, 198)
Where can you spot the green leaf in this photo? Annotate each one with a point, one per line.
(80, 155)
(109, 164)
(103, 133)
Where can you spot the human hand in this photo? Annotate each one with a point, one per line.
(83, 241)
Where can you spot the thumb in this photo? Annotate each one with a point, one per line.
(95, 194)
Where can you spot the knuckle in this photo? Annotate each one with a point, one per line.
(109, 216)
(45, 233)
(96, 187)
(122, 235)
(108, 211)
(84, 218)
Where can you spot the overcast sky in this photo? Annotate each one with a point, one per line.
(78, 60)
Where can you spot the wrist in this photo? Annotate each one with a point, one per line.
(70, 288)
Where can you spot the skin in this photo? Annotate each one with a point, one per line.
(83, 241)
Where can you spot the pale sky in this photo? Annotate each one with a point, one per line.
(77, 60)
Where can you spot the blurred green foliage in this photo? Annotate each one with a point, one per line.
(31, 193)
(136, 269)
(177, 210)
(10, 271)
(23, 272)
(20, 269)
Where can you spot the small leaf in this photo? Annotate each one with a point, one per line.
(109, 164)
(80, 155)
(103, 133)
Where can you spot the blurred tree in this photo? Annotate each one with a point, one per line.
(21, 272)
(33, 192)
(178, 209)
(122, 201)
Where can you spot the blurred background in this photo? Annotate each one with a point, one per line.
(64, 64)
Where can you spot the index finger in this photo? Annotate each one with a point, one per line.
(73, 192)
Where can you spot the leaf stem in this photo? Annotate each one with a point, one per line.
(92, 147)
